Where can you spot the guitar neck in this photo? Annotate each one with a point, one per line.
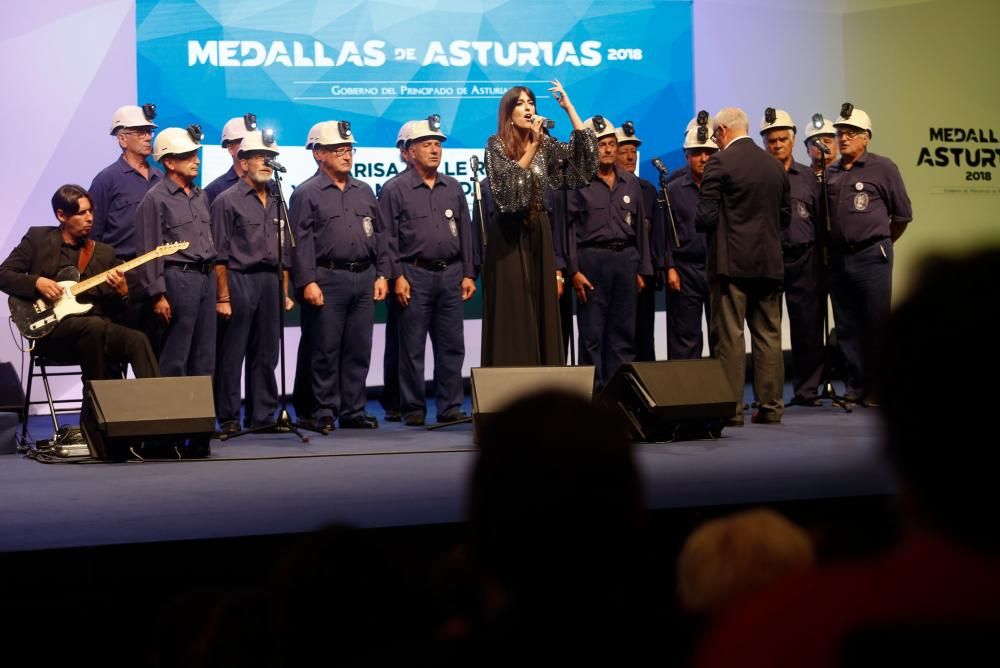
(94, 281)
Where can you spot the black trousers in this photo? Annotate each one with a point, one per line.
(100, 347)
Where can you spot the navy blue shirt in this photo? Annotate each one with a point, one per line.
(334, 225)
(865, 199)
(115, 194)
(221, 184)
(601, 214)
(246, 231)
(428, 223)
(165, 215)
(684, 194)
(805, 198)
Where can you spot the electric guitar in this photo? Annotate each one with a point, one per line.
(37, 318)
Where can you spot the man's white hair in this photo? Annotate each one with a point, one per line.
(734, 118)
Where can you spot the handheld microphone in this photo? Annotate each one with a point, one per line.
(547, 123)
(660, 167)
(474, 166)
(275, 165)
(820, 145)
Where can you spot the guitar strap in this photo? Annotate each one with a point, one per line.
(86, 253)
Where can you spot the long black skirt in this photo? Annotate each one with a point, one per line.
(520, 305)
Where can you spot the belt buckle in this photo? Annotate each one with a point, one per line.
(440, 265)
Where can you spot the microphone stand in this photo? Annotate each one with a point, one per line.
(283, 423)
(664, 200)
(823, 241)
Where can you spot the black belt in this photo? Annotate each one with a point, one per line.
(851, 249)
(617, 245)
(200, 267)
(429, 265)
(790, 251)
(357, 266)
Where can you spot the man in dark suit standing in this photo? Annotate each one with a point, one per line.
(744, 206)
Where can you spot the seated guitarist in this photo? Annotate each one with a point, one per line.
(91, 340)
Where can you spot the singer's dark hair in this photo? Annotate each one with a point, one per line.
(67, 199)
(510, 138)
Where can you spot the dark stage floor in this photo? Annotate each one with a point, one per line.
(401, 476)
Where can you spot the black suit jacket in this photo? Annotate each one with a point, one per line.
(38, 255)
(744, 205)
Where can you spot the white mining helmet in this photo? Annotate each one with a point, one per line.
(826, 129)
(254, 141)
(855, 118)
(601, 126)
(404, 134)
(428, 128)
(775, 119)
(173, 141)
(330, 133)
(693, 123)
(626, 134)
(234, 130)
(131, 116)
(691, 140)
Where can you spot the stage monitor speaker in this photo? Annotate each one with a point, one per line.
(495, 388)
(668, 401)
(11, 392)
(149, 418)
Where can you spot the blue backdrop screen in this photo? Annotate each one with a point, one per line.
(380, 63)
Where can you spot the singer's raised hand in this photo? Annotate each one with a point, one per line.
(559, 93)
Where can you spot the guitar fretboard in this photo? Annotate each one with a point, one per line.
(94, 281)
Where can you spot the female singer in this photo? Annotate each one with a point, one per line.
(521, 286)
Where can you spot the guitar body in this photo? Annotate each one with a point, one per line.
(35, 319)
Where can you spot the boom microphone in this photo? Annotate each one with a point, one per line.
(474, 165)
(275, 165)
(820, 145)
(660, 167)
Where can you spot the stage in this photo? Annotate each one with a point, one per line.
(398, 476)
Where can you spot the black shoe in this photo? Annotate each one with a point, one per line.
(229, 427)
(324, 424)
(414, 420)
(870, 402)
(452, 417)
(811, 402)
(392, 415)
(362, 421)
(760, 418)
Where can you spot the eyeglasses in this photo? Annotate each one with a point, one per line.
(342, 151)
(139, 132)
(849, 133)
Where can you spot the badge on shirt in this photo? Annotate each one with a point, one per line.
(628, 216)
(452, 225)
(367, 223)
(859, 186)
(861, 201)
(626, 199)
(803, 211)
(449, 214)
